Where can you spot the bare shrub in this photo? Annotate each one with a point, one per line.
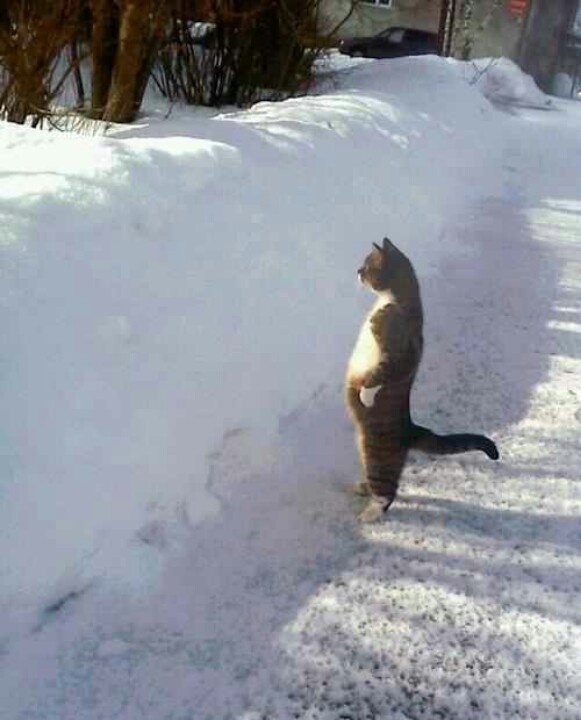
(33, 36)
(183, 64)
(250, 49)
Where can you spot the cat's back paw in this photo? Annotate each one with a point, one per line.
(375, 511)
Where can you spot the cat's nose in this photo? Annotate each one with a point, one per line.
(360, 274)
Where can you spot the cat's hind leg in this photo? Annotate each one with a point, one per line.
(359, 489)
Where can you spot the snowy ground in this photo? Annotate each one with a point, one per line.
(178, 302)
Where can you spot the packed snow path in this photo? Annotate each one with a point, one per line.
(463, 604)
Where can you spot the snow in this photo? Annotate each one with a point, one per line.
(179, 301)
(503, 82)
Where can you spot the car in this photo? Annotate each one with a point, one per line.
(392, 42)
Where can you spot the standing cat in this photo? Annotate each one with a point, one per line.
(379, 379)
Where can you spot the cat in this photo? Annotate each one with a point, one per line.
(379, 379)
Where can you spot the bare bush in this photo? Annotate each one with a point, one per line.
(250, 49)
(247, 49)
(33, 36)
(187, 58)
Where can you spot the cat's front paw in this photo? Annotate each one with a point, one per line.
(367, 395)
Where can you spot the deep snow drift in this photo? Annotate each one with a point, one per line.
(191, 277)
(178, 302)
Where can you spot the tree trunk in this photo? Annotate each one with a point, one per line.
(104, 34)
(139, 35)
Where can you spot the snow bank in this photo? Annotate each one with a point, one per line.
(191, 277)
(503, 82)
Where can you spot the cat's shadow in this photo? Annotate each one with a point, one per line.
(488, 336)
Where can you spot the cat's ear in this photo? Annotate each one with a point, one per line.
(377, 247)
(387, 245)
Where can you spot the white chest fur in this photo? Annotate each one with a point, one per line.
(366, 354)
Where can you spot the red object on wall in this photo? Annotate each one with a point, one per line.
(517, 7)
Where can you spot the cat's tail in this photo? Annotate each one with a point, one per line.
(421, 438)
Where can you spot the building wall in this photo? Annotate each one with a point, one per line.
(369, 20)
(547, 23)
(495, 32)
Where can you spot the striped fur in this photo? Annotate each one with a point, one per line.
(385, 358)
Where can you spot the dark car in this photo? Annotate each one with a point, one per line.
(393, 42)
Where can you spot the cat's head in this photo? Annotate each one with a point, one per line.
(382, 266)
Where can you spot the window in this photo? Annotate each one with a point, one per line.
(396, 36)
(378, 3)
